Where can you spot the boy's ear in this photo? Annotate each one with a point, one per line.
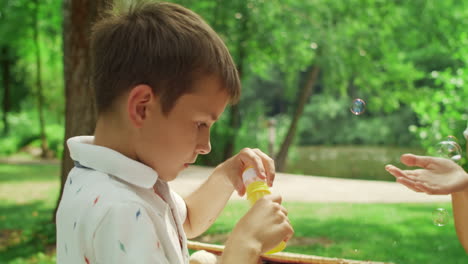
(139, 99)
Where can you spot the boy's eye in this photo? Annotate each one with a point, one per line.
(201, 124)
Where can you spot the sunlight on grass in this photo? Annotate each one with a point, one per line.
(398, 233)
(27, 197)
(30, 173)
(25, 192)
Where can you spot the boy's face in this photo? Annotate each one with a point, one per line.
(168, 144)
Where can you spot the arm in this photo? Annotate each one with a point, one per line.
(460, 215)
(239, 250)
(206, 203)
(218, 188)
(438, 176)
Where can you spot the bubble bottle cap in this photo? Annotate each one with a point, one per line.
(256, 187)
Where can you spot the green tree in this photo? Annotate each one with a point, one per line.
(30, 31)
(6, 63)
(40, 94)
(11, 13)
(259, 44)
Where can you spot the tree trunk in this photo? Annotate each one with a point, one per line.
(6, 104)
(80, 110)
(304, 95)
(40, 95)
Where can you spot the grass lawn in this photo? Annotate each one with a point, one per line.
(398, 233)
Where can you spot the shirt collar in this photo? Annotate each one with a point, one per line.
(106, 160)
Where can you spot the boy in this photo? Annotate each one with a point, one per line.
(162, 77)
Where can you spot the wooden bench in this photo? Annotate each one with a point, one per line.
(283, 257)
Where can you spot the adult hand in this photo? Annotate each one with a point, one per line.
(437, 176)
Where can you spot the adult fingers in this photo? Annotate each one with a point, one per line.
(430, 189)
(409, 184)
(415, 160)
(395, 171)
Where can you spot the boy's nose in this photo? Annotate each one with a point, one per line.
(204, 148)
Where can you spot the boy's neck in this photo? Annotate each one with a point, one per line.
(110, 134)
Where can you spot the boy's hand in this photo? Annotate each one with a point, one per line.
(235, 166)
(438, 176)
(264, 226)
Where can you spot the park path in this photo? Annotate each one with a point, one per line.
(303, 188)
(319, 189)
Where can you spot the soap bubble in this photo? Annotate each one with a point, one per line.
(452, 138)
(358, 106)
(440, 217)
(450, 150)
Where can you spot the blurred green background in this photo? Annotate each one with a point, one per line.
(302, 63)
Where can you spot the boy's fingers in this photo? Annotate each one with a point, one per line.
(240, 188)
(238, 184)
(251, 157)
(290, 233)
(274, 198)
(283, 210)
(269, 165)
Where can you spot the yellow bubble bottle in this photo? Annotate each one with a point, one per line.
(256, 188)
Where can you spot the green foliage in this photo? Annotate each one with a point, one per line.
(25, 132)
(16, 27)
(399, 56)
(254, 132)
(328, 121)
(444, 110)
(381, 51)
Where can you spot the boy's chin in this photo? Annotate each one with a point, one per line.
(169, 176)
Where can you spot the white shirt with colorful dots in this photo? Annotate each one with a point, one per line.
(110, 212)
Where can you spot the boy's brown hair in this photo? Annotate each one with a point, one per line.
(163, 45)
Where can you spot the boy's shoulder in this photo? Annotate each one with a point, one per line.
(90, 195)
(101, 187)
